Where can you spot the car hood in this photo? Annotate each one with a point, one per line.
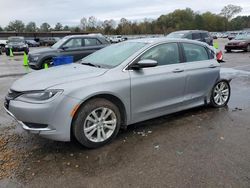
(236, 41)
(16, 43)
(41, 51)
(46, 78)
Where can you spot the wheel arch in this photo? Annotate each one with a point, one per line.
(110, 97)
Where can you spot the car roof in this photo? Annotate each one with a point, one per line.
(87, 36)
(191, 31)
(165, 39)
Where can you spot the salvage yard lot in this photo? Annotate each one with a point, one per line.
(202, 147)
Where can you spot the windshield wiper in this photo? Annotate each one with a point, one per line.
(91, 64)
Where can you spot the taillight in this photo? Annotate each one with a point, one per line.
(219, 57)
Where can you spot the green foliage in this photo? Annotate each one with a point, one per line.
(185, 19)
(45, 27)
(31, 27)
(58, 27)
(230, 10)
(17, 26)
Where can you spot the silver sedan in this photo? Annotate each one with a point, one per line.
(117, 86)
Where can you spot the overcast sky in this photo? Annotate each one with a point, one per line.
(71, 11)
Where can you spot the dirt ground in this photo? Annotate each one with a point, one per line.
(201, 147)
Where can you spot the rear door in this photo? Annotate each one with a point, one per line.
(158, 90)
(202, 71)
(90, 45)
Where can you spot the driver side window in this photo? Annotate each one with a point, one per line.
(73, 43)
(164, 54)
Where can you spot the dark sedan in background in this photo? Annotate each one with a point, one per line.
(32, 43)
(198, 35)
(241, 42)
(78, 46)
(16, 44)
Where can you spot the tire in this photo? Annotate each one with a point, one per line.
(228, 50)
(26, 51)
(248, 48)
(84, 120)
(46, 61)
(220, 94)
(7, 52)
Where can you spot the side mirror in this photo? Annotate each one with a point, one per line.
(64, 47)
(145, 63)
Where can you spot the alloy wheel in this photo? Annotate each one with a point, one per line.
(221, 93)
(100, 124)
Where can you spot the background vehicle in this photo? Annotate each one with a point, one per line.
(77, 46)
(32, 43)
(241, 42)
(17, 44)
(117, 86)
(198, 35)
(2, 45)
(118, 38)
(48, 41)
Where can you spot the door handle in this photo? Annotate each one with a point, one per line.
(212, 66)
(178, 70)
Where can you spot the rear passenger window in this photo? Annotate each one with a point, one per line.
(189, 36)
(196, 36)
(195, 52)
(204, 35)
(164, 54)
(91, 42)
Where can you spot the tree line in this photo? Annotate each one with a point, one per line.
(176, 20)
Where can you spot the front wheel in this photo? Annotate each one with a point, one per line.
(220, 94)
(96, 123)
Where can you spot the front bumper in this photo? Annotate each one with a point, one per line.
(25, 127)
(235, 47)
(56, 115)
(17, 49)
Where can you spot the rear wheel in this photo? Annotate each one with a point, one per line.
(220, 94)
(96, 123)
(228, 50)
(248, 48)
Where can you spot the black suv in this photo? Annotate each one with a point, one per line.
(198, 35)
(17, 44)
(78, 46)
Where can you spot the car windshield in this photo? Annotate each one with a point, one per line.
(175, 35)
(113, 55)
(16, 40)
(59, 43)
(242, 37)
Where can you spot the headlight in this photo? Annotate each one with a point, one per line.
(35, 58)
(39, 96)
(242, 43)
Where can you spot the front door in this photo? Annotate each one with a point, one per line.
(158, 90)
